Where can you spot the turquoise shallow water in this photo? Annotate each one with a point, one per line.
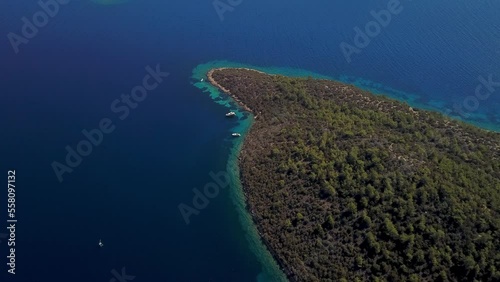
(271, 271)
(128, 190)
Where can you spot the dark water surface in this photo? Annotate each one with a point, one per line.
(127, 191)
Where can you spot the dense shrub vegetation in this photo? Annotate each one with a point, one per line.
(347, 186)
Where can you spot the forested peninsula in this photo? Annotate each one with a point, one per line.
(344, 185)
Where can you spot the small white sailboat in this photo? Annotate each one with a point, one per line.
(230, 114)
(100, 243)
(236, 134)
(202, 80)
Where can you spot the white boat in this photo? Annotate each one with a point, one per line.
(100, 243)
(236, 134)
(202, 80)
(230, 114)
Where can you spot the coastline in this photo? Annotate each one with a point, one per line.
(270, 269)
(241, 150)
(234, 97)
(269, 260)
(289, 274)
(443, 107)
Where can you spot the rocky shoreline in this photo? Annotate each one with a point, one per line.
(225, 90)
(289, 274)
(318, 166)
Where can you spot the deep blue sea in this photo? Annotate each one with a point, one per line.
(126, 192)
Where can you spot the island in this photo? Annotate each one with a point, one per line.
(344, 185)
